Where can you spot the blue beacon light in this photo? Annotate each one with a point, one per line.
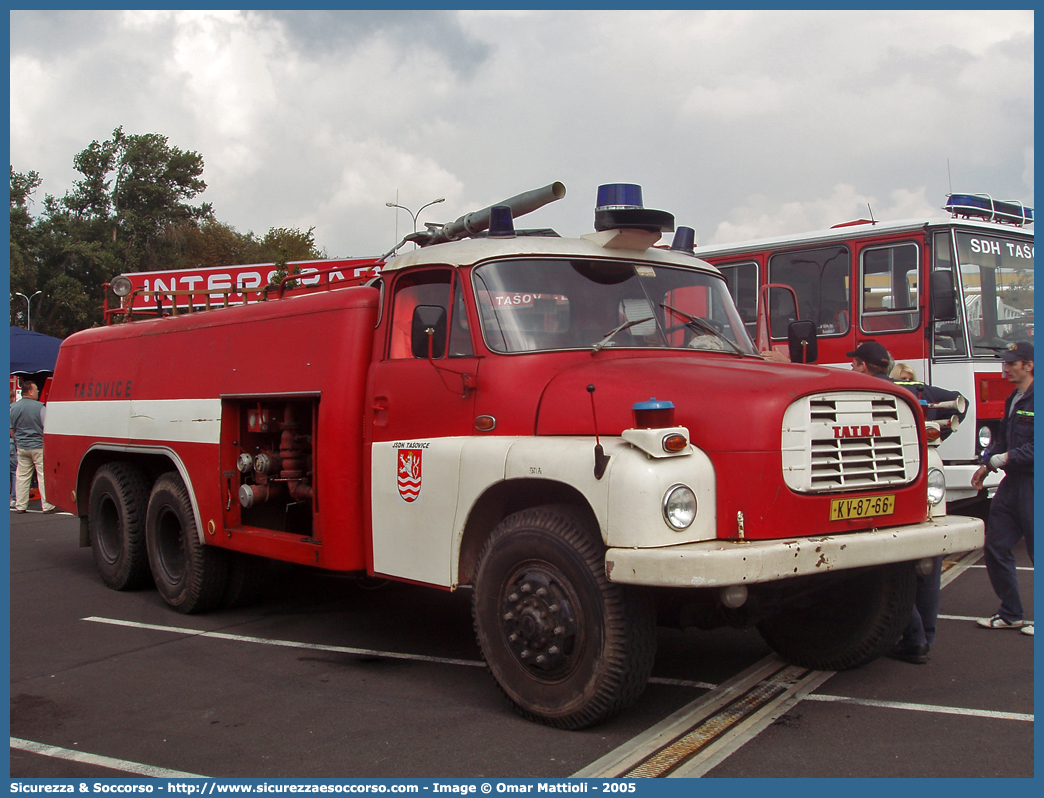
(618, 196)
(500, 222)
(684, 241)
(619, 206)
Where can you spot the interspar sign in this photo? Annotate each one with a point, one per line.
(237, 280)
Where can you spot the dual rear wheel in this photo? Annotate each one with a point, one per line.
(137, 532)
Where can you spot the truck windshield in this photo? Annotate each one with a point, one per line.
(529, 305)
(997, 280)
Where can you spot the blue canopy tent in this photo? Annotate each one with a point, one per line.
(33, 352)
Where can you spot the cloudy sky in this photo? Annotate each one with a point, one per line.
(742, 124)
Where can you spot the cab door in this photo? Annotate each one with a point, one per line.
(422, 411)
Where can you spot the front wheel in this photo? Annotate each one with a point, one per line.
(852, 620)
(190, 576)
(567, 647)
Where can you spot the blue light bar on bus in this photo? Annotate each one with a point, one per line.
(983, 206)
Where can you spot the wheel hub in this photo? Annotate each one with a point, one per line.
(539, 622)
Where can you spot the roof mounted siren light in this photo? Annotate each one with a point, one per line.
(985, 207)
(684, 241)
(620, 207)
(500, 223)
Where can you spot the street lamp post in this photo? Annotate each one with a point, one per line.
(411, 213)
(28, 304)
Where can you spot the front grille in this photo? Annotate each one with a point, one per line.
(849, 441)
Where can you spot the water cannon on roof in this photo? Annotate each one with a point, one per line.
(472, 224)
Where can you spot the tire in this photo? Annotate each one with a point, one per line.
(848, 623)
(190, 576)
(566, 646)
(116, 522)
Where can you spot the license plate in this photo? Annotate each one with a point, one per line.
(862, 507)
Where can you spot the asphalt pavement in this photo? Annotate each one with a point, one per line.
(328, 676)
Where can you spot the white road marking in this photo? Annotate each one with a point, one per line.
(1017, 567)
(872, 702)
(101, 761)
(366, 652)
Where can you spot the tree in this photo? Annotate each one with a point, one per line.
(139, 187)
(131, 210)
(289, 243)
(214, 243)
(23, 238)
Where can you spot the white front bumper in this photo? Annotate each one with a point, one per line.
(717, 563)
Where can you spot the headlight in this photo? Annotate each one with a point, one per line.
(121, 286)
(936, 486)
(985, 437)
(679, 507)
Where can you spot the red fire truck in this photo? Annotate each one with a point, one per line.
(944, 295)
(578, 430)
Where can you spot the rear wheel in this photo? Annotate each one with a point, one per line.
(190, 576)
(567, 647)
(847, 623)
(116, 522)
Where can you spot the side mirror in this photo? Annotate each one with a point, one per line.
(428, 331)
(802, 340)
(944, 296)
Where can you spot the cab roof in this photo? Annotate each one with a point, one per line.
(609, 245)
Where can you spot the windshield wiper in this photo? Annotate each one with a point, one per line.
(609, 335)
(704, 326)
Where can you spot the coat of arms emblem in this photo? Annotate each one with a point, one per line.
(409, 474)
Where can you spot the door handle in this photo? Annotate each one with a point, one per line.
(380, 411)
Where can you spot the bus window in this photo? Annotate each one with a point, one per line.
(889, 277)
(997, 277)
(947, 336)
(742, 279)
(819, 277)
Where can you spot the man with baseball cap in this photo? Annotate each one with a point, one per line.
(1011, 511)
(871, 358)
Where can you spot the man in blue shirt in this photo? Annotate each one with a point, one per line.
(1011, 511)
(27, 420)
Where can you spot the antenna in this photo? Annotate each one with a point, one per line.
(949, 179)
(872, 220)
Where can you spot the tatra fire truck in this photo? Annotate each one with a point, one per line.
(943, 295)
(580, 431)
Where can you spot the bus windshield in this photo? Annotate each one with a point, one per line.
(529, 305)
(997, 282)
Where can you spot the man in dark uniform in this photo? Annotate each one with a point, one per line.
(1011, 511)
(873, 359)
